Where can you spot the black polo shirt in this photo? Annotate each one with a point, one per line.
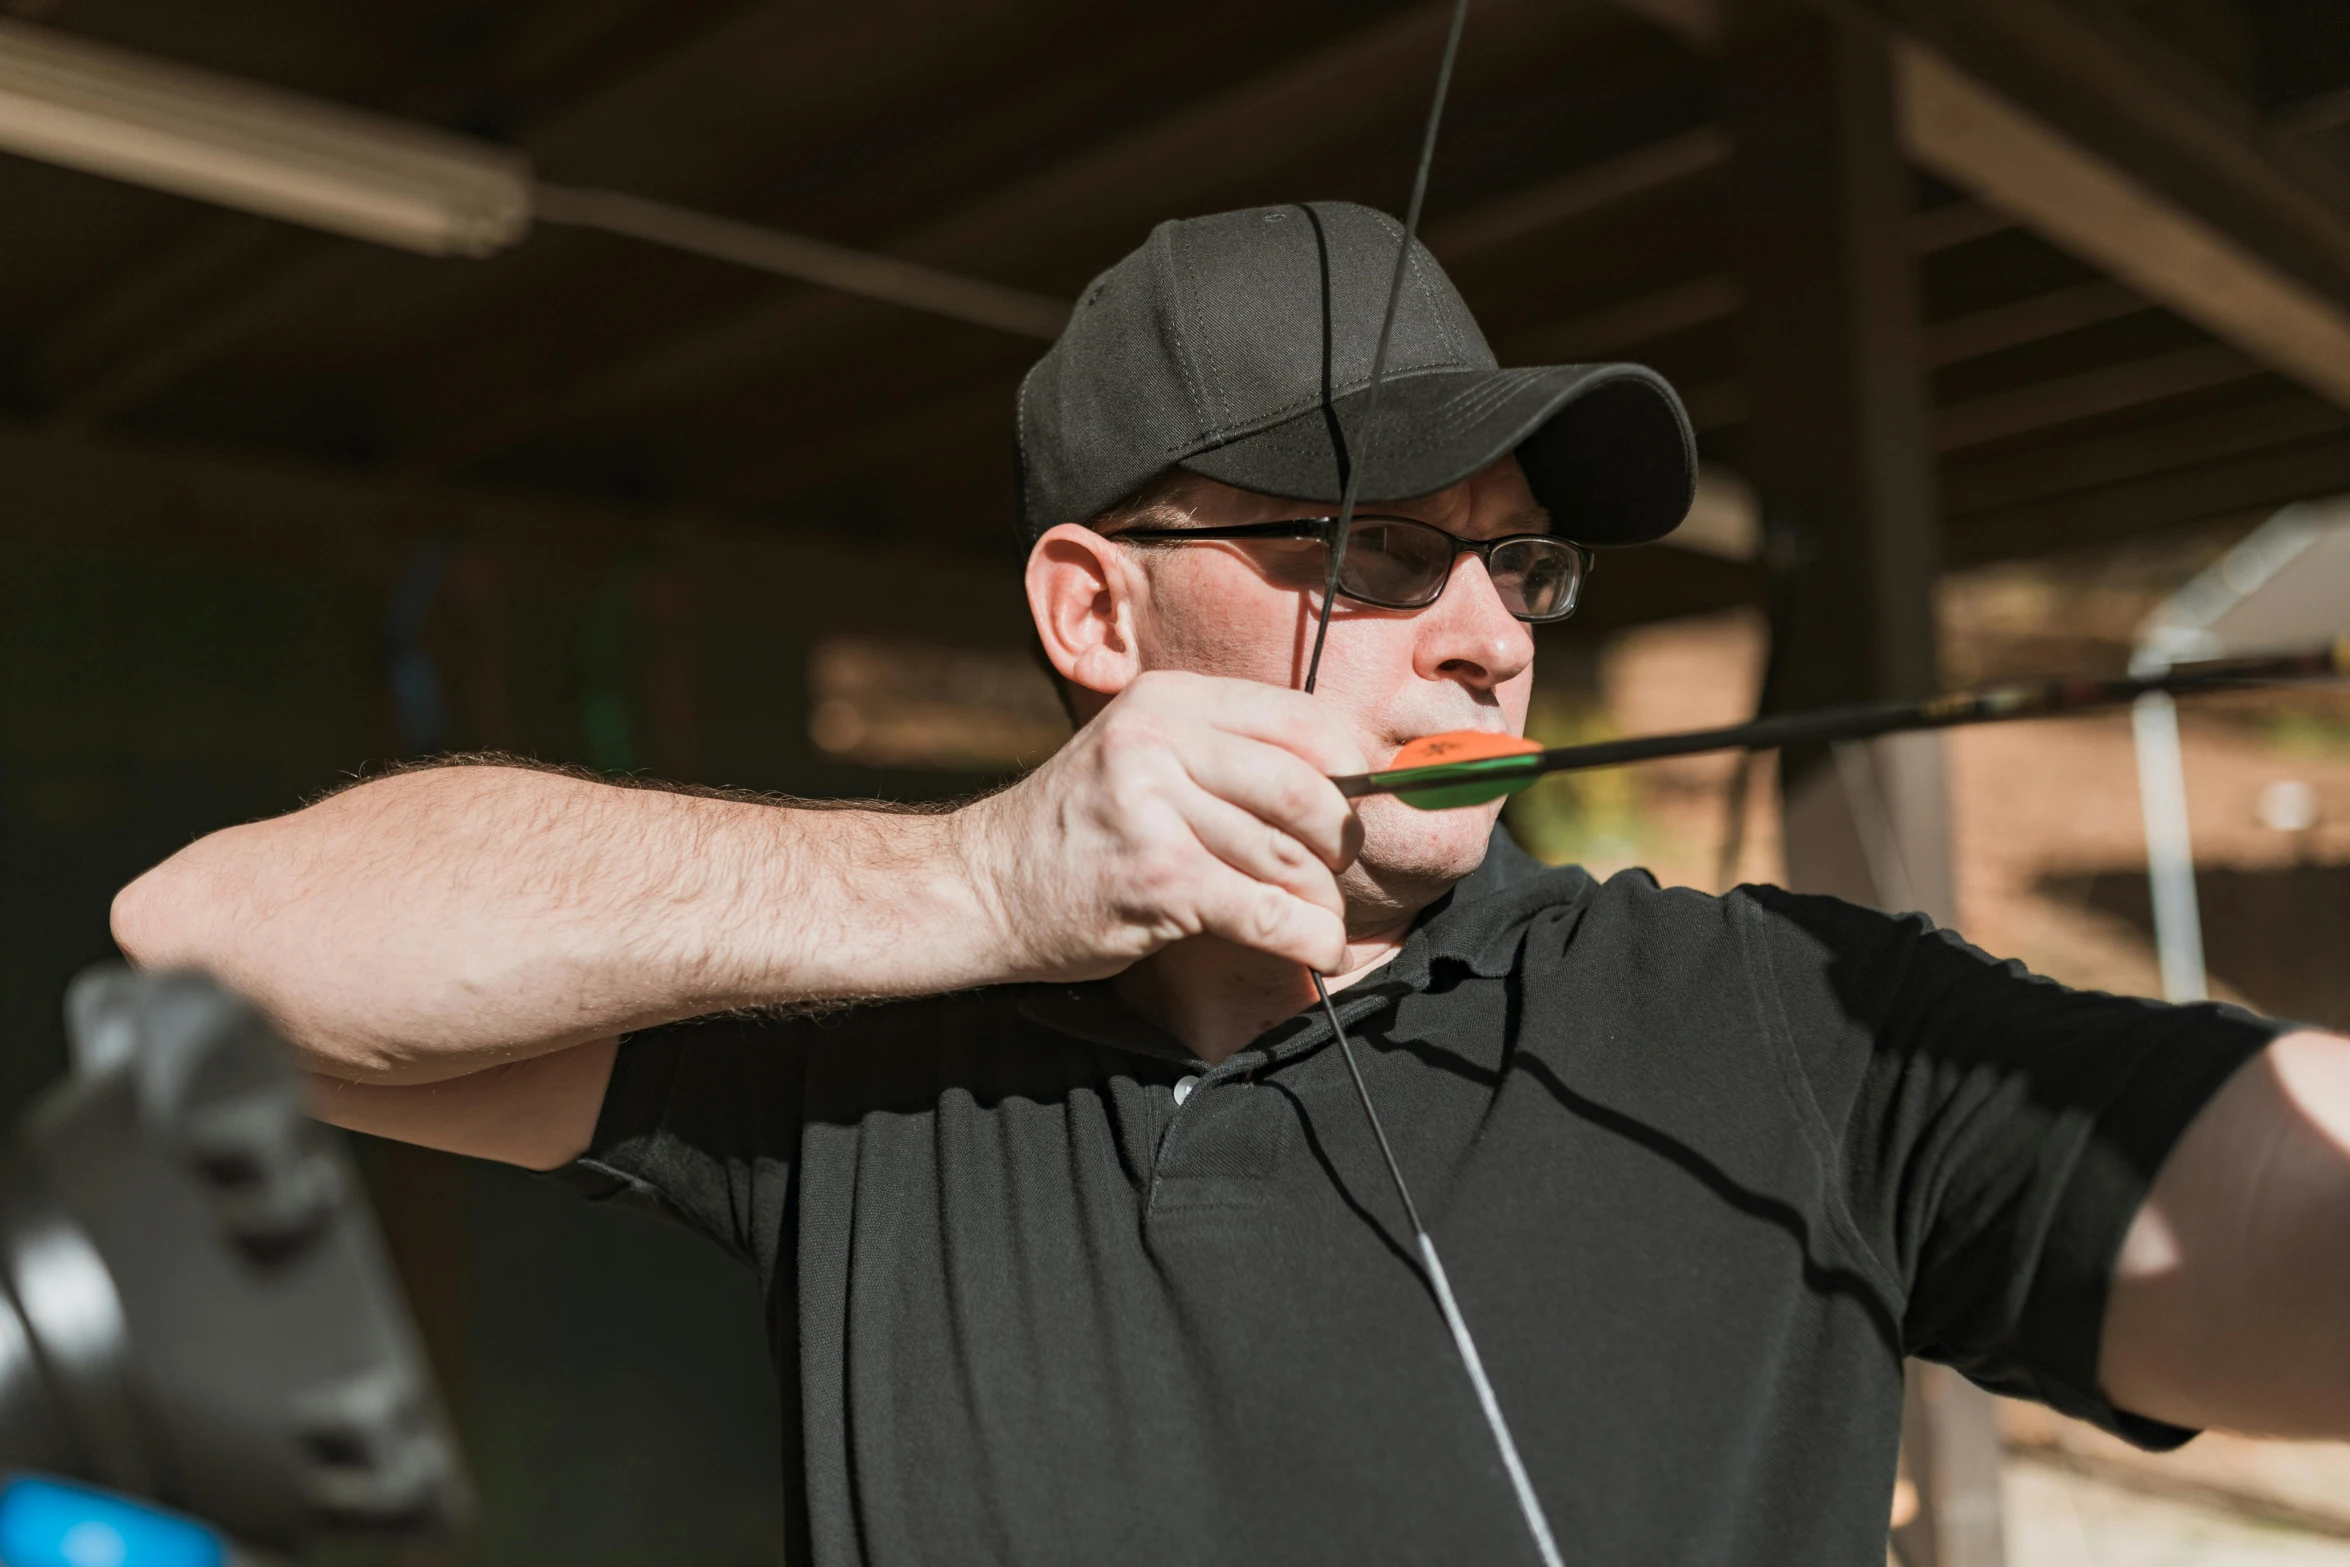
(1044, 1288)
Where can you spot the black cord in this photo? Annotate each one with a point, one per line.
(1353, 471)
(1537, 1524)
(1411, 1209)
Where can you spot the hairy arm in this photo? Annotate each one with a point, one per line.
(538, 1113)
(453, 941)
(2231, 1301)
(439, 922)
(454, 951)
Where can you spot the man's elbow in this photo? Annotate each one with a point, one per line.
(142, 914)
(160, 919)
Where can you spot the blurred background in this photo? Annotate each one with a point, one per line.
(338, 426)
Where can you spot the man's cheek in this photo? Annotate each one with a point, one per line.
(1220, 619)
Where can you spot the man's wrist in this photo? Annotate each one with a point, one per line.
(984, 935)
(882, 904)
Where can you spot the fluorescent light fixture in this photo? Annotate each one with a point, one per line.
(197, 133)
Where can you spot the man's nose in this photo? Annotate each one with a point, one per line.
(1468, 635)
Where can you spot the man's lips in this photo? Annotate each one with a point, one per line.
(1485, 724)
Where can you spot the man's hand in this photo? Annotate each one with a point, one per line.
(1191, 806)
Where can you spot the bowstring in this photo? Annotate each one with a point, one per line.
(1351, 473)
(1351, 470)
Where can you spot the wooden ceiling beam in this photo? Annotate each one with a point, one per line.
(1579, 193)
(1701, 301)
(1611, 329)
(235, 277)
(288, 275)
(112, 492)
(808, 459)
(2064, 119)
(1987, 482)
(2034, 406)
(1098, 201)
(2032, 319)
(1956, 223)
(109, 492)
(2041, 405)
(2242, 485)
(84, 345)
(2190, 261)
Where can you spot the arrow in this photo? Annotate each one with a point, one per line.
(1470, 767)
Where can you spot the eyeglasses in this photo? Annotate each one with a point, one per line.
(1403, 563)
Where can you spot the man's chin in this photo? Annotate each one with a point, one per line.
(1411, 858)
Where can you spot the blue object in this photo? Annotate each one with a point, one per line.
(49, 1523)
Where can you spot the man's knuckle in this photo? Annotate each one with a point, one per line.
(1131, 750)
(1312, 867)
(1268, 912)
(1292, 856)
(1294, 798)
(1161, 873)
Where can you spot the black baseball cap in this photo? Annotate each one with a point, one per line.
(1227, 344)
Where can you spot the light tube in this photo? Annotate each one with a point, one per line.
(112, 112)
(198, 133)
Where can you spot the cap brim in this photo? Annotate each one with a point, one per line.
(1607, 448)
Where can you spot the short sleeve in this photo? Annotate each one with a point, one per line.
(1997, 1133)
(701, 1123)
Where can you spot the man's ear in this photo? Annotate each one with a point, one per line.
(1081, 591)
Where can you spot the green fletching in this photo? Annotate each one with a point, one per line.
(1449, 786)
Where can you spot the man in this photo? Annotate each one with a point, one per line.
(1075, 1243)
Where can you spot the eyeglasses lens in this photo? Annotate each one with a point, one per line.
(1537, 578)
(1404, 565)
(1397, 564)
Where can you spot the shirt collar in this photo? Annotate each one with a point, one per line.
(1478, 923)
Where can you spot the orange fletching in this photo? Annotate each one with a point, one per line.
(1461, 745)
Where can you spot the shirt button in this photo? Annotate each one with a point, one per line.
(1183, 1088)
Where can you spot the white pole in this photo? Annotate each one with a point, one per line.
(2170, 854)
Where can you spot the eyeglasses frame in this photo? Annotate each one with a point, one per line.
(1324, 529)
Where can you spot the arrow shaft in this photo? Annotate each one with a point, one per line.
(1866, 720)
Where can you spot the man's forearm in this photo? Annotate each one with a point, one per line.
(538, 1113)
(437, 922)
(440, 922)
